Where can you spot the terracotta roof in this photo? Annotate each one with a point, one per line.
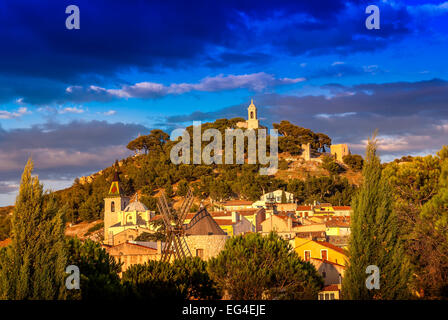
(225, 222)
(331, 246)
(342, 208)
(337, 223)
(304, 208)
(331, 287)
(5, 242)
(306, 234)
(248, 212)
(237, 203)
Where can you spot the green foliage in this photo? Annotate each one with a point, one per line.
(354, 161)
(283, 164)
(292, 137)
(375, 238)
(99, 271)
(334, 190)
(263, 267)
(418, 186)
(5, 224)
(182, 188)
(330, 165)
(33, 266)
(153, 171)
(182, 279)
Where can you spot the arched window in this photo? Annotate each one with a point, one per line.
(112, 206)
(251, 114)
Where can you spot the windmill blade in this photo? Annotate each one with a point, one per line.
(185, 202)
(188, 202)
(185, 246)
(178, 252)
(164, 214)
(167, 252)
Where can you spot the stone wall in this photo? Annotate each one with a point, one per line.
(211, 245)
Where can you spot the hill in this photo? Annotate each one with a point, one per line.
(150, 171)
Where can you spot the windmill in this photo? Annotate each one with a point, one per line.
(175, 233)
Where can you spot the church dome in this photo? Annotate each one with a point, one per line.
(136, 206)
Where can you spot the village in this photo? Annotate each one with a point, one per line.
(317, 232)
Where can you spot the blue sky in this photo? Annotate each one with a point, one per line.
(72, 99)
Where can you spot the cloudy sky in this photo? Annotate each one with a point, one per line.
(72, 99)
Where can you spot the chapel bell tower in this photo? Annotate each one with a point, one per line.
(252, 121)
(114, 203)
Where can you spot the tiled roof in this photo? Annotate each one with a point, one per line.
(225, 222)
(304, 208)
(237, 203)
(331, 287)
(5, 242)
(337, 223)
(342, 208)
(331, 246)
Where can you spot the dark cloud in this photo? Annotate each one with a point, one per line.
(411, 117)
(65, 150)
(40, 57)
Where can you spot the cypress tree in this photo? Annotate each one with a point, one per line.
(33, 265)
(375, 238)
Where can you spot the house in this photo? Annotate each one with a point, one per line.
(308, 249)
(283, 224)
(304, 211)
(338, 226)
(133, 252)
(204, 236)
(342, 211)
(233, 205)
(240, 221)
(331, 272)
(330, 292)
(276, 197)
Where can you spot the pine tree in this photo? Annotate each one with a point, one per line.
(375, 238)
(33, 266)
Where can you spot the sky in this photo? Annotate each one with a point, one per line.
(73, 98)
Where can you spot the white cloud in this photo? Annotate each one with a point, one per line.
(254, 82)
(71, 110)
(15, 114)
(108, 113)
(429, 9)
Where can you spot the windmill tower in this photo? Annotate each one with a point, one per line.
(175, 233)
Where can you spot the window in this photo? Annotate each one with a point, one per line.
(327, 296)
(324, 274)
(199, 253)
(112, 206)
(331, 296)
(321, 296)
(251, 114)
(307, 255)
(324, 255)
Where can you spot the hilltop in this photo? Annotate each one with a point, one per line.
(150, 171)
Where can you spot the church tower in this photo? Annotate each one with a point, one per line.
(252, 121)
(114, 203)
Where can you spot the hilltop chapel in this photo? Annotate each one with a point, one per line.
(252, 120)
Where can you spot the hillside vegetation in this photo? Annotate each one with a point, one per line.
(150, 170)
